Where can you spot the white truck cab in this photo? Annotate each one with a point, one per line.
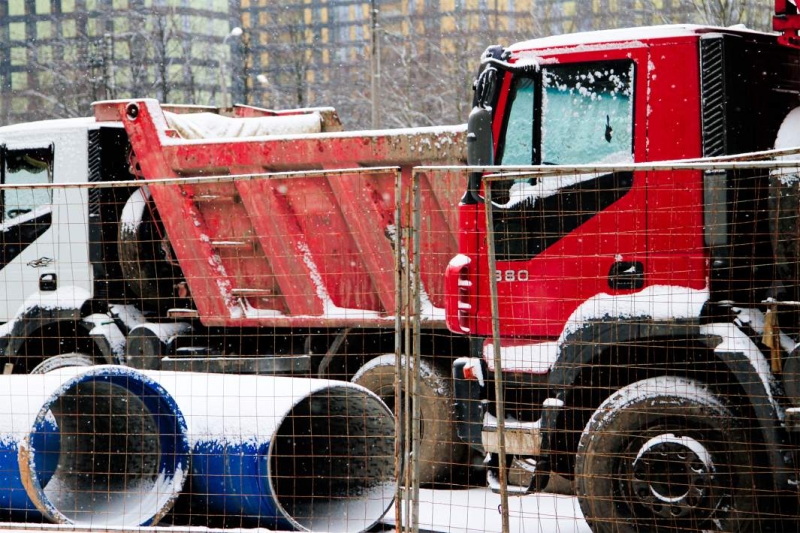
(43, 230)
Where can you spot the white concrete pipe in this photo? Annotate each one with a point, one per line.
(100, 446)
(286, 452)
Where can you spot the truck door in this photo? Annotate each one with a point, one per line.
(563, 239)
(26, 237)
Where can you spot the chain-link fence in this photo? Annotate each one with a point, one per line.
(560, 349)
(634, 331)
(180, 353)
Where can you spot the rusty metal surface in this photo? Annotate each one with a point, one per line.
(295, 250)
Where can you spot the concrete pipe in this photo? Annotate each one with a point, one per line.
(286, 452)
(104, 446)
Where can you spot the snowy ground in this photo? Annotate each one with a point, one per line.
(458, 511)
(477, 511)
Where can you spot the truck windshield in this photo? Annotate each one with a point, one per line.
(30, 166)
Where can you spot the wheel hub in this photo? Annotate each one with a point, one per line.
(673, 477)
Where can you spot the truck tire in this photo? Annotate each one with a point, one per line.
(64, 360)
(442, 451)
(665, 454)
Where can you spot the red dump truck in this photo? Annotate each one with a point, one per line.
(647, 318)
(127, 238)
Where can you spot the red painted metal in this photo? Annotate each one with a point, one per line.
(290, 251)
(362, 203)
(787, 21)
(641, 226)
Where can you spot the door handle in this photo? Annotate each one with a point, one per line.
(626, 275)
(48, 281)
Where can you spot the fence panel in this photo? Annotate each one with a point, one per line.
(567, 349)
(645, 321)
(181, 354)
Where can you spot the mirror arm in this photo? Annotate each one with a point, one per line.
(514, 68)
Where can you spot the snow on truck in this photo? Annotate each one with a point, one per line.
(292, 274)
(647, 318)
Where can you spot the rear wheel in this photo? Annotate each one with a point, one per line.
(665, 454)
(442, 454)
(64, 360)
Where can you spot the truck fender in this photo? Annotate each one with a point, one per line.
(107, 336)
(145, 254)
(149, 342)
(729, 345)
(42, 309)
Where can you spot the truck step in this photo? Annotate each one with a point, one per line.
(183, 313)
(236, 245)
(216, 198)
(251, 293)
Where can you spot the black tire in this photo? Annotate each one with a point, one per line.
(64, 360)
(665, 454)
(442, 452)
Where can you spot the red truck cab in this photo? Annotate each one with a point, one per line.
(620, 96)
(602, 269)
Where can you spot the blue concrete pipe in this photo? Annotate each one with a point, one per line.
(281, 453)
(105, 446)
(14, 501)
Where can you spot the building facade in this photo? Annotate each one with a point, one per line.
(57, 56)
(320, 52)
(327, 52)
(381, 63)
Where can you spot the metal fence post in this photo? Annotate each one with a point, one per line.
(399, 307)
(415, 351)
(498, 368)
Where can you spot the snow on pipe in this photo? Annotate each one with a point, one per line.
(104, 446)
(286, 452)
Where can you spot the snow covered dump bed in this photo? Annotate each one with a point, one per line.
(293, 250)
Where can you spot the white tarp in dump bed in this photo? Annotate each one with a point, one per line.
(213, 126)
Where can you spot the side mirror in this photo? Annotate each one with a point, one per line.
(480, 145)
(480, 149)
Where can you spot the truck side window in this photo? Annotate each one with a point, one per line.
(586, 116)
(587, 113)
(28, 166)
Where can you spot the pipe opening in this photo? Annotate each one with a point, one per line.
(114, 453)
(332, 461)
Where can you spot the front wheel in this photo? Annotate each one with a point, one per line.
(665, 454)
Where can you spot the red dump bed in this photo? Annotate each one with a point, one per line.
(293, 251)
